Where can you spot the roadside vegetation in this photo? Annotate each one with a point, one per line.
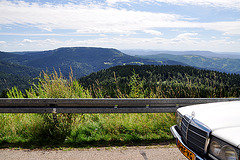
(79, 130)
(84, 130)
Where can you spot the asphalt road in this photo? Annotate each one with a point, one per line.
(160, 152)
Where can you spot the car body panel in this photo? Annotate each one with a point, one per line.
(223, 118)
(229, 135)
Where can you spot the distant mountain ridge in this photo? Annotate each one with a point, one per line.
(82, 60)
(217, 64)
(208, 54)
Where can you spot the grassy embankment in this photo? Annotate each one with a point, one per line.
(80, 130)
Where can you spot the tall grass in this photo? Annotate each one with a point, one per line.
(81, 129)
(15, 128)
(123, 129)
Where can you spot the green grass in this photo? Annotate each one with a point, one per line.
(80, 130)
(84, 129)
(123, 128)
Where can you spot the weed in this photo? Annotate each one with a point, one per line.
(83, 130)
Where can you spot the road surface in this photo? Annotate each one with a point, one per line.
(160, 152)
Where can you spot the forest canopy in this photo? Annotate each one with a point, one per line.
(163, 82)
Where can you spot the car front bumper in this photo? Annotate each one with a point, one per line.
(187, 152)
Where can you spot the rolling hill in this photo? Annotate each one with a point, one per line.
(16, 75)
(82, 60)
(217, 64)
(208, 54)
(162, 82)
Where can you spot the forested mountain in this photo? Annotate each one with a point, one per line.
(83, 60)
(218, 64)
(16, 75)
(20, 67)
(17, 69)
(162, 82)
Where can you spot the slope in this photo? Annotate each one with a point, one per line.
(218, 64)
(162, 82)
(83, 60)
(16, 75)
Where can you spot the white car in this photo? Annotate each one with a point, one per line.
(209, 131)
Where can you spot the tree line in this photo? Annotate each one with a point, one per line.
(162, 82)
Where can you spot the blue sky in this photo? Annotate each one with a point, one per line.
(34, 25)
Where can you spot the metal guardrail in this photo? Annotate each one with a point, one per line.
(105, 105)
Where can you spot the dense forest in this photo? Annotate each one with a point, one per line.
(161, 82)
(144, 81)
(16, 75)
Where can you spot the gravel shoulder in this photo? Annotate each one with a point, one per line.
(159, 152)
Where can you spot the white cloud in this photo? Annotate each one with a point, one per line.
(34, 45)
(47, 29)
(227, 27)
(185, 41)
(117, 1)
(44, 34)
(186, 36)
(153, 32)
(98, 19)
(3, 42)
(163, 43)
(231, 4)
(46, 42)
(106, 22)
(84, 19)
(27, 41)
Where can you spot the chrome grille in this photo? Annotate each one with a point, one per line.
(195, 134)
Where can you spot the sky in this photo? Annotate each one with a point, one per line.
(176, 25)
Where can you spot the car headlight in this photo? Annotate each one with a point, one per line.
(228, 152)
(222, 150)
(215, 148)
(179, 119)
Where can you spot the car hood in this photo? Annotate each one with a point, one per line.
(223, 118)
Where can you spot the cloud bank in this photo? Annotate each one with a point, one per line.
(230, 4)
(33, 25)
(98, 19)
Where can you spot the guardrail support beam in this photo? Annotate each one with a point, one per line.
(105, 105)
